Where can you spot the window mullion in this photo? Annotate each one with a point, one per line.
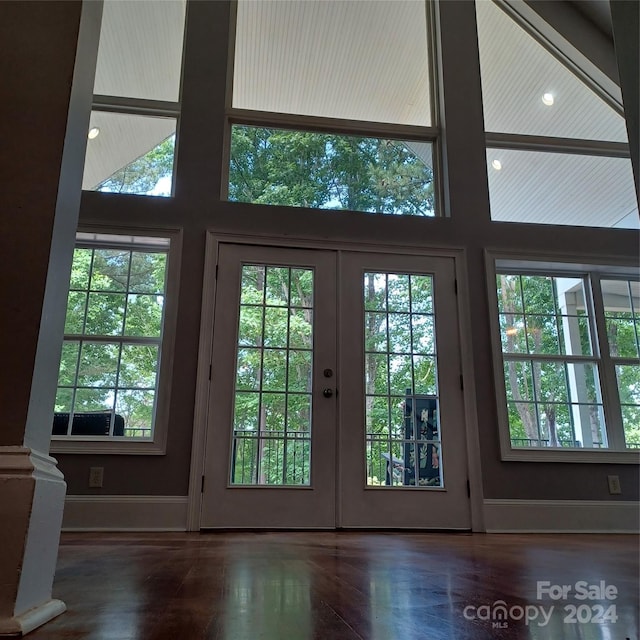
(322, 124)
(550, 357)
(138, 106)
(116, 391)
(72, 406)
(89, 337)
(524, 142)
(608, 380)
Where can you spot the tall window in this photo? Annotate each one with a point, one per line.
(551, 376)
(109, 370)
(557, 149)
(561, 359)
(305, 72)
(136, 98)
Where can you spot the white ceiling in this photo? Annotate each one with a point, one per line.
(555, 188)
(348, 59)
(517, 71)
(540, 187)
(122, 139)
(368, 61)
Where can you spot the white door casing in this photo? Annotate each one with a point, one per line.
(337, 495)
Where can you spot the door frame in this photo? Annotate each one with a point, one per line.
(249, 503)
(201, 409)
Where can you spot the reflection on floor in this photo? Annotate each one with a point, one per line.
(343, 585)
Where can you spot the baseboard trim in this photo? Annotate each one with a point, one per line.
(169, 513)
(561, 516)
(125, 513)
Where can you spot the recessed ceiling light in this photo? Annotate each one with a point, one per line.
(547, 98)
(93, 133)
(496, 164)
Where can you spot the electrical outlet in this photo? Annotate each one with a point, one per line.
(96, 475)
(614, 484)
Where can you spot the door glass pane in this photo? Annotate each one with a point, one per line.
(403, 446)
(272, 407)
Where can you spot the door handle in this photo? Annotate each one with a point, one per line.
(327, 392)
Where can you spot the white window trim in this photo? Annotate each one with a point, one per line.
(562, 265)
(157, 444)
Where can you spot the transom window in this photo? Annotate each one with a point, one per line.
(108, 379)
(329, 171)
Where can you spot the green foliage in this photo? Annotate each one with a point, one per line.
(115, 294)
(623, 331)
(629, 389)
(303, 169)
(277, 167)
(542, 317)
(142, 175)
(272, 411)
(317, 170)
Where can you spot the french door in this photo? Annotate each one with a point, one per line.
(335, 394)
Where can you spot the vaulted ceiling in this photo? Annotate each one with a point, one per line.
(368, 62)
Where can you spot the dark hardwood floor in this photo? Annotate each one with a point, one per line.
(342, 585)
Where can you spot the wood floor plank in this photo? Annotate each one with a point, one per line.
(337, 586)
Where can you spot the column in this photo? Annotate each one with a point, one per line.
(46, 102)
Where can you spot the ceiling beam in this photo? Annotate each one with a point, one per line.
(575, 39)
